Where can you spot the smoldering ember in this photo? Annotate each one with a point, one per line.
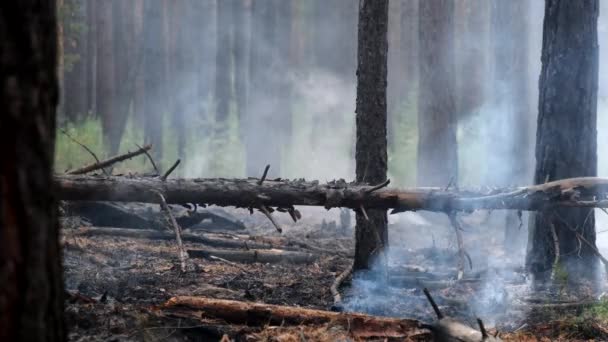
(303, 170)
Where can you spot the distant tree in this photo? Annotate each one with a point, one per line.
(91, 56)
(511, 119)
(371, 154)
(153, 75)
(106, 86)
(75, 45)
(241, 18)
(471, 57)
(566, 138)
(437, 147)
(262, 142)
(125, 60)
(31, 286)
(283, 62)
(223, 65)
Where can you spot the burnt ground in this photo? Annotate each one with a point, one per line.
(113, 283)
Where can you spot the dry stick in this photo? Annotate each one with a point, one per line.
(263, 208)
(461, 252)
(85, 147)
(150, 159)
(177, 229)
(265, 211)
(229, 263)
(594, 249)
(164, 177)
(482, 328)
(264, 175)
(556, 247)
(335, 287)
(110, 161)
(362, 208)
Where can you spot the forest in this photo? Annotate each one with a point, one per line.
(303, 170)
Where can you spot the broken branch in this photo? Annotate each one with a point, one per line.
(178, 230)
(109, 162)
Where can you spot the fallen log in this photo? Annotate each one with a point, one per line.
(257, 314)
(254, 255)
(247, 193)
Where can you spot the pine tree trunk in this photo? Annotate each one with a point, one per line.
(437, 147)
(566, 139)
(31, 286)
(371, 155)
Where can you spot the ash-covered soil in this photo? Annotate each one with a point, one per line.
(112, 283)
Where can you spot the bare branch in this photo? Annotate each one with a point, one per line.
(110, 161)
(164, 177)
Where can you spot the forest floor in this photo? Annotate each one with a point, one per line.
(114, 283)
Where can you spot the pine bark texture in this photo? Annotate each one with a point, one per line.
(371, 145)
(437, 146)
(566, 139)
(31, 286)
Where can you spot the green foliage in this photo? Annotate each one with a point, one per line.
(598, 311)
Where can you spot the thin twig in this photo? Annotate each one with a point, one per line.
(229, 263)
(461, 252)
(378, 187)
(110, 161)
(164, 177)
(150, 159)
(85, 147)
(266, 212)
(264, 174)
(182, 252)
(335, 286)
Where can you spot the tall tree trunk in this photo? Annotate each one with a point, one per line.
(153, 72)
(106, 94)
(139, 85)
(396, 76)
(31, 286)
(566, 138)
(371, 155)
(437, 148)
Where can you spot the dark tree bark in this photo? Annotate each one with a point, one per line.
(370, 153)
(437, 148)
(31, 286)
(566, 138)
(106, 91)
(153, 75)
